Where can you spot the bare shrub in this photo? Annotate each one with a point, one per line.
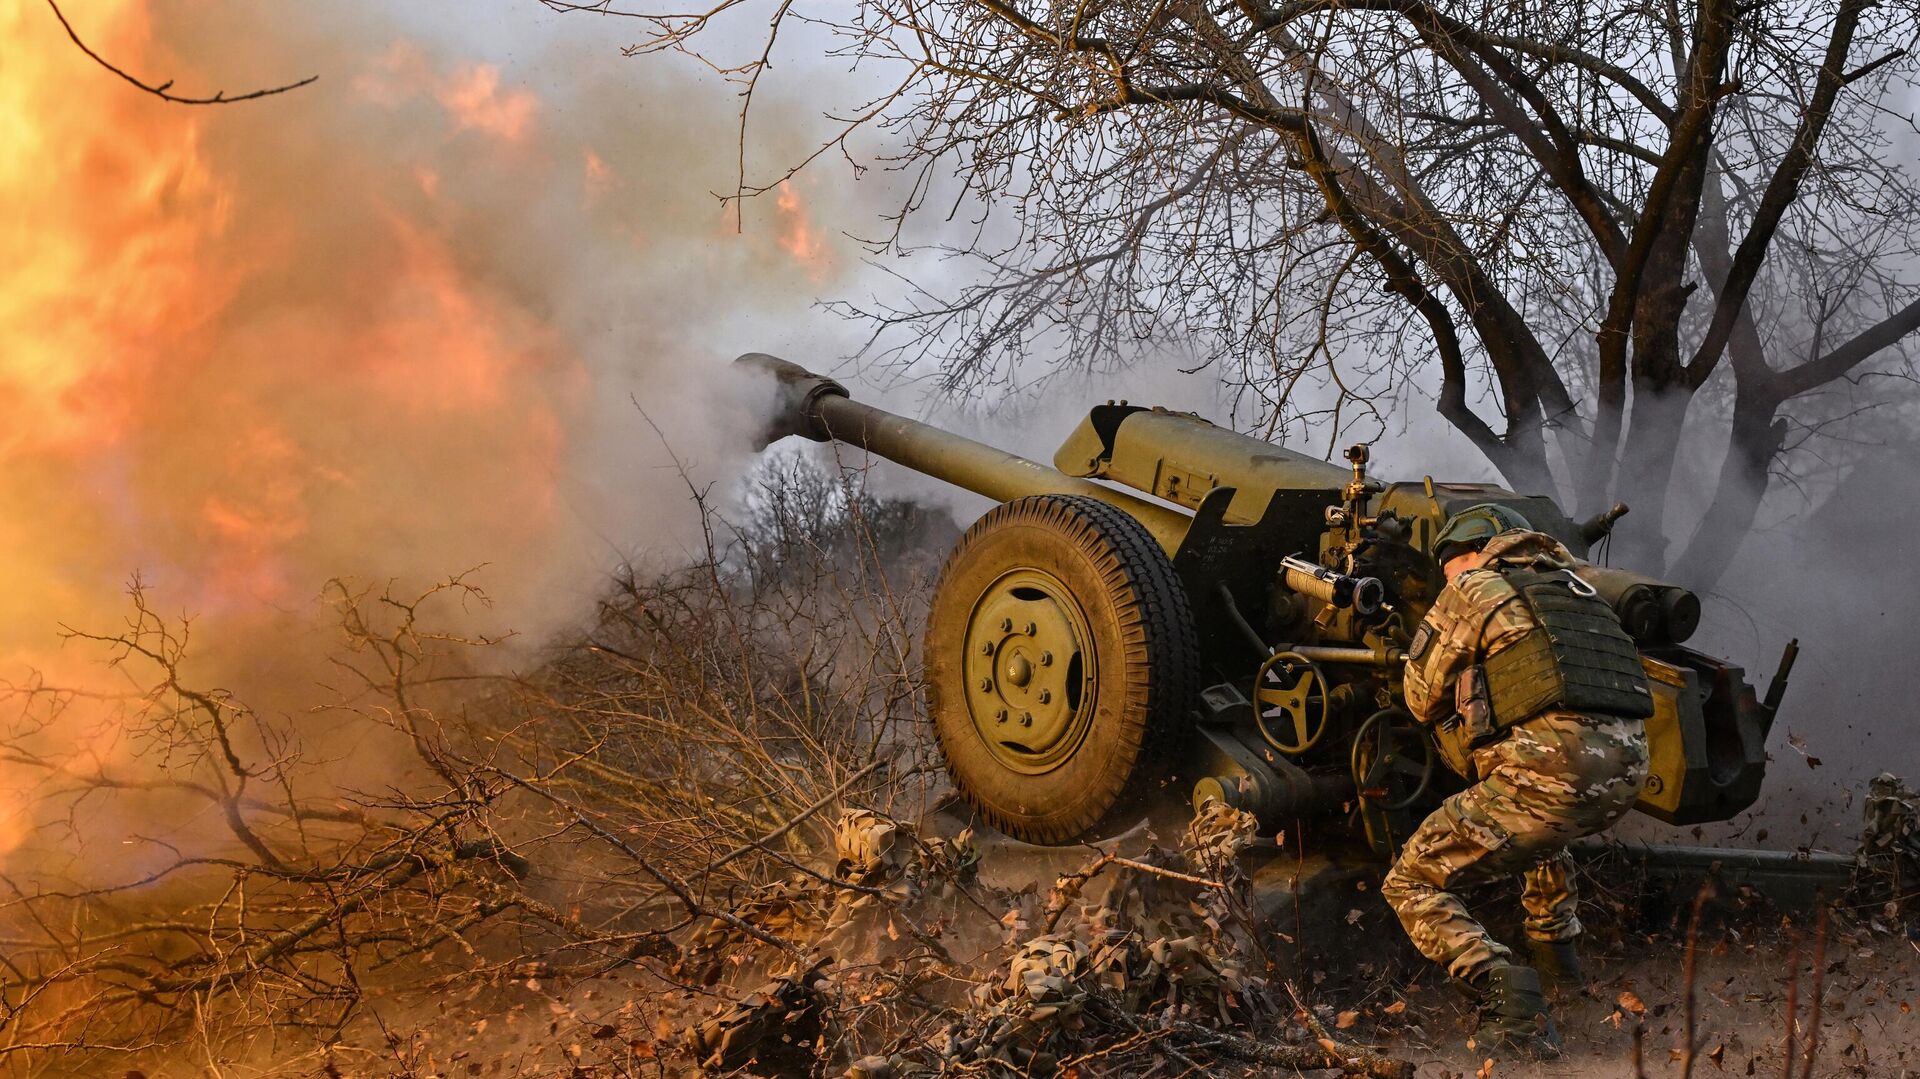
(721, 707)
(433, 825)
(257, 891)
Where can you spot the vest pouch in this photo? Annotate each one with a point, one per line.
(1576, 657)
(1524, 680)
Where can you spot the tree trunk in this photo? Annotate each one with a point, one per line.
(1646, 472)
(1757, 435)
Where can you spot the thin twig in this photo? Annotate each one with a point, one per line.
(162, 91)
(1168, 873)
(1793, 1005)
(1345, 1055)
(1691, 1000)
(1819, 980)
(798, 818)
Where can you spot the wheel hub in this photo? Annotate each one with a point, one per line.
(1030, 693)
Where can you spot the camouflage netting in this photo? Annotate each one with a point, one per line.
(899, 962)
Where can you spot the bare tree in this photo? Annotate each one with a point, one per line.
(1529, 195)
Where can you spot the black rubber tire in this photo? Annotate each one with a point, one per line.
(1146, 664)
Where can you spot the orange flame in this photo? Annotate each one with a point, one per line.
(799, 237)
(248, 348)
(597, 175)
(91, 292)
(473, 96)
(205, 381)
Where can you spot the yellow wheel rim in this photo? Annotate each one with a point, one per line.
(1030, 671)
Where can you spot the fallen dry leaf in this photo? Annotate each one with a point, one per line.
(1345, 1020)
(1800, 745)
(1396, 1007)
(1630, 1001)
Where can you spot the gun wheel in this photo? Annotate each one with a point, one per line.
(1060, 663)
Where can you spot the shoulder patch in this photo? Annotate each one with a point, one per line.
(1422, 639)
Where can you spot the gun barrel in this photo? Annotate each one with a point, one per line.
(821, 409)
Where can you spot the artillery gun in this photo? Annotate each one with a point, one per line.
(1175, 607)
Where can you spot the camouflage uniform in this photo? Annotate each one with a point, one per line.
(1552, 779)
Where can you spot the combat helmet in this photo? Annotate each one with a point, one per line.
(1474, 526)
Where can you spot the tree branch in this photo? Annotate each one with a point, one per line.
(1850, 354)
(1781, 192)
(163, 91)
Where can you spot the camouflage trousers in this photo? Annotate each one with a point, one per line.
(1552, 780)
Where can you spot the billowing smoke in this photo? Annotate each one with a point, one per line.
(408, 321)
(1835, 569)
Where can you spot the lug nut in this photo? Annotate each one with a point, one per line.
(1046, 696)
(986, 685)
(986, 648)
(1046, 659)
(1026, 719)
(1033, 629)
(1006, 625)
(1001, 717)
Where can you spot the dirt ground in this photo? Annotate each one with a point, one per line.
(1359, 975)
(1754, 960)
(614, 1024)
(1867, 1025)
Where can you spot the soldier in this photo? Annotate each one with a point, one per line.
(1536, 696)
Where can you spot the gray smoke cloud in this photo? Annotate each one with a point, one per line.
(420, 316)
(465, 303)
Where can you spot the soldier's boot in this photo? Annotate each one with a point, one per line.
(1558, 962)
(1513, 1014)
